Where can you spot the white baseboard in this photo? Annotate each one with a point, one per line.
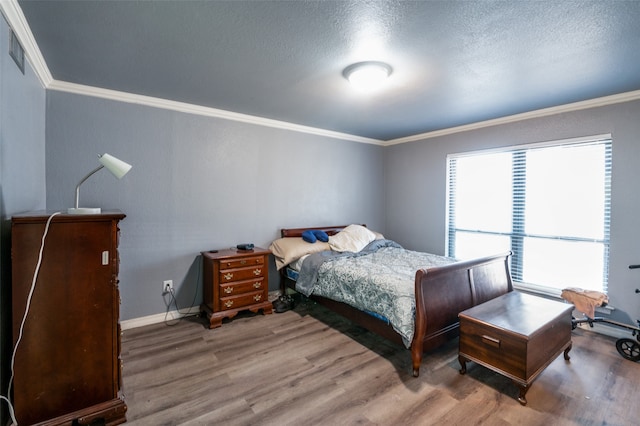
(607, 330)
(171, 315)
(157, 318)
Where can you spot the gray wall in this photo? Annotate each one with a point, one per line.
(22, 134)
(200, 183)
(416, 185)
(22, 174)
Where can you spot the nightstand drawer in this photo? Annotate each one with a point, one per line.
(239, 287)
(242, 300)
(241, 263)
(230, 275)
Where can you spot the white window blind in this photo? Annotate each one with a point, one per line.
(547, 203)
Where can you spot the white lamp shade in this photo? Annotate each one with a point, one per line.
(116, 166)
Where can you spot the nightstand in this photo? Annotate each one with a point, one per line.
(234, 281)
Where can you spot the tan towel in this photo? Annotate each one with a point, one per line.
(585, 300)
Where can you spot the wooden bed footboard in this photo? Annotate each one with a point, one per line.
(443, 292)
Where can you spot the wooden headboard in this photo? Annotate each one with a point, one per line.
(297, 232)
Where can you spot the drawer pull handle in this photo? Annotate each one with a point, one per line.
(243, 262)
(257, 272)
(491, 341)
(228, 290)
(228, 276)
(228, 303)
(257, 297)
(257, 284)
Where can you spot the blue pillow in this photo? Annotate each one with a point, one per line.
(321, 236)
(308, 236)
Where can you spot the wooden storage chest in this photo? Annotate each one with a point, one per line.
(517, 335)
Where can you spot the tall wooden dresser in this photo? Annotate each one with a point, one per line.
(67, 364)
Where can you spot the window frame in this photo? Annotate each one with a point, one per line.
(518, 233)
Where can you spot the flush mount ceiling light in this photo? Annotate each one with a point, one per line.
(367, 75)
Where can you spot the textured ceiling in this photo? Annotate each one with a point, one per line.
(454, 62)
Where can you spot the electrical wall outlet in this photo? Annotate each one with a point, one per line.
(167, 286)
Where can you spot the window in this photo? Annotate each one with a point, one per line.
(547, 203)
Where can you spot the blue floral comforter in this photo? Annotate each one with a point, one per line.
(379, 279)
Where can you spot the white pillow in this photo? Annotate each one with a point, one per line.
(352, 238)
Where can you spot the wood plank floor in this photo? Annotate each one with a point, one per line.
(312, 367)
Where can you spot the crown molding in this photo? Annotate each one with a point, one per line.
(576, 106)
(200, 110)
(18, 23)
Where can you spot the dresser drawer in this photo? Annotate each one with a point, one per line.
(230, 275)
(239, 287)
(242, 300)
(241, 262)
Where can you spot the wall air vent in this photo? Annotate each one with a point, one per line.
(16, 51)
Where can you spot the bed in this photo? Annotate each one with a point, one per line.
(434, 289)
